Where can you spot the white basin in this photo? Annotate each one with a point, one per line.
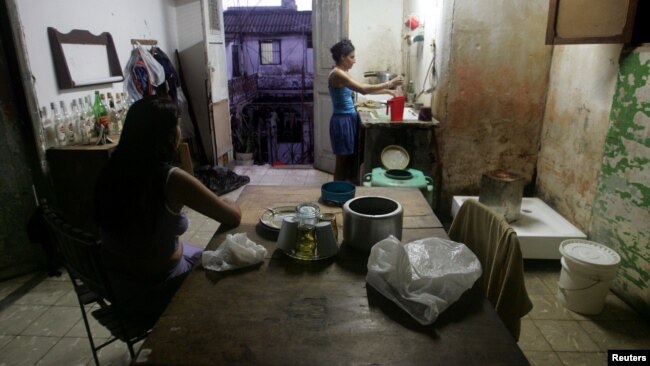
(540, 229)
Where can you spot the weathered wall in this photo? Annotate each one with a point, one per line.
(17, 162)
(495, 93)
(621, 209)
(375, 28)
(575, 124)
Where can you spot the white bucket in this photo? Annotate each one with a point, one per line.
(588, 269)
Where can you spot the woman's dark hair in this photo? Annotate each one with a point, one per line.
(342, 48)
(129, 192)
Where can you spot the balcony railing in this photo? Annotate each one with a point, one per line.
(242, 89)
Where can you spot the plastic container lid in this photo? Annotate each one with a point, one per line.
(588, 252)
(394, 157)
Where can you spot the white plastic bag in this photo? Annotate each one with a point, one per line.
(155, 73)
(424, 276)
(235, 252)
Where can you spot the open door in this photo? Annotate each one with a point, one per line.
(217, 78)
(329, 25)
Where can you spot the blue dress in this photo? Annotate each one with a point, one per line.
(343, 123)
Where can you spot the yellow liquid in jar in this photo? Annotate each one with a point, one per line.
(306, 243)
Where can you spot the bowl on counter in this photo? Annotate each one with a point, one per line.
(337, 192)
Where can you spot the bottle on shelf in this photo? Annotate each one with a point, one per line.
(68, 119)
(77, 116)
(101, 118)
(89, 121)
(59, 125)
(114, 127)
(48, 129)
(410, 92)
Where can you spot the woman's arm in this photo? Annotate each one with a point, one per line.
(340, 79)
(182, 189)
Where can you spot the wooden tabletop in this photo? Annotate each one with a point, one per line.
(290, 312)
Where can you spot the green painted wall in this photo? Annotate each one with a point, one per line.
(621, 209)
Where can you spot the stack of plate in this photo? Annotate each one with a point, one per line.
(272, 218)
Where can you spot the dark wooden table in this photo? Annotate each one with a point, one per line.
(290, 312)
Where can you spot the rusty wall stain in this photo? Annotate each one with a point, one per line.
(575, 125)
(495, 102)
(621, 210)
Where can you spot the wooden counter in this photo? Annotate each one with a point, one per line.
(291, 312)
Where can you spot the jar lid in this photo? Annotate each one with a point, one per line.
(586, 251)
(307, 210)
(394, 157)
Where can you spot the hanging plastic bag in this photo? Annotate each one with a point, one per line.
(424, 276)
(142, 74)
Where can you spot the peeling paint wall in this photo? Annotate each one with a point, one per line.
(497, 80)
(576, 120)
(621, 210)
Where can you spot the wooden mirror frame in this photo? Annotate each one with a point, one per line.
(78, 36)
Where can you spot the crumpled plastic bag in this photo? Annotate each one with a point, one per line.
(423, 277)
(236, 251)
(142, 74)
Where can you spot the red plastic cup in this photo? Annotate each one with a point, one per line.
(396, 106)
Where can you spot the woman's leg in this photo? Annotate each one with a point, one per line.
(343, 168)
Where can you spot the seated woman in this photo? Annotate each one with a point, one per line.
(138, 200)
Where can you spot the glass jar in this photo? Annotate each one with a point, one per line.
(307, 214)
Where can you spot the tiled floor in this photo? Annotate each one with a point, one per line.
(40, 322)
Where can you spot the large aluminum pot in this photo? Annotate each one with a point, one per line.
(369, 219)
(378, 77)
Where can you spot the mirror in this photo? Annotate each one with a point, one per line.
(82, 58)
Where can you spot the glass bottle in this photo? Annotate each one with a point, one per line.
(410, 92)
(69, 124)
(114, 127)
(307, 214)
(59, 125)
(89, 121)
(48, 128)
(101, 118)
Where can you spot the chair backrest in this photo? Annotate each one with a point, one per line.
(496, 245)
(80, 252)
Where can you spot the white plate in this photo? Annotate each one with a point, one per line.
(394, 157)
(274, 220)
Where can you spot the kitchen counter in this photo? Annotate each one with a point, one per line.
(378, 117)
(417, 137)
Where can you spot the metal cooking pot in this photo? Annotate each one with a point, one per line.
(369, 219)
(377, 77)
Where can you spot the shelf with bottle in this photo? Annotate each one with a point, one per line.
(85, 122)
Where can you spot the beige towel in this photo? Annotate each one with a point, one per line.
(496, 245)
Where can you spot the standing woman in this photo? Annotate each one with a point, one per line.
(343, 124)
(138, 200)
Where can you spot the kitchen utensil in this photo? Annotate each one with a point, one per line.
(331, 218)
(369, 219)
(272, 217)
(396, 107)
(337, 192)
(378, 77)
(395, 157)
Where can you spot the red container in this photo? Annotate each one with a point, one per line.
(396, 106)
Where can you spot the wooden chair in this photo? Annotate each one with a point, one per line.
(80, 253)
(496, 245)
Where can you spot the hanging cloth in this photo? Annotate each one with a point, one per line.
(142, 74)
(172, 82)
